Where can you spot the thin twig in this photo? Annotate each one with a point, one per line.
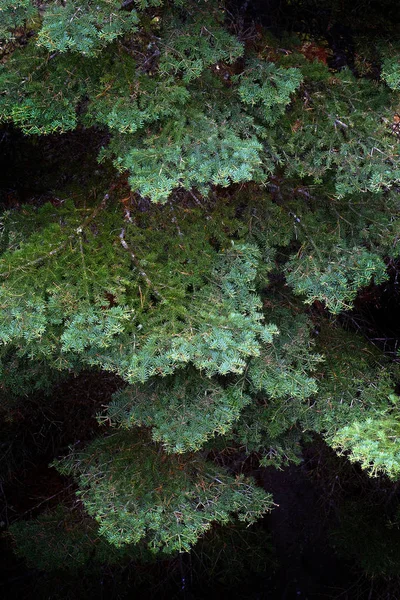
(46, 500)
(137, 264)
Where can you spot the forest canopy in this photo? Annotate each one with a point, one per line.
(246, 197)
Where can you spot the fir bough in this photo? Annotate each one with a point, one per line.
(136, 493)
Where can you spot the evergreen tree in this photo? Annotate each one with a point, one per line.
(261, 197)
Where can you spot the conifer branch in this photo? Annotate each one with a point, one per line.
(39, 260)
(57, 249)
(137, 264)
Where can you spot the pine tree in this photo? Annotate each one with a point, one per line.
(261, 183)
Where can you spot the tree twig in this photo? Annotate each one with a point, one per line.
(137, 264)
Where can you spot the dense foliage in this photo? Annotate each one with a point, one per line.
(253, 195)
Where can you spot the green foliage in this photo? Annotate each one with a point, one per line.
(195, 39)
(282, 380)
(39, 109)
(73, 322)
(338, 135)
(283, 370)
(63, 539)
(85, 27)
(374, 443)
(173, 294)
(270, 86)
(390, 63)
(184, 412)
(391, 72)
(136, 493)
(356, 383)
(265, 198)
(335, 279)
(181, 112)
(14, 14)
(212, 149)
